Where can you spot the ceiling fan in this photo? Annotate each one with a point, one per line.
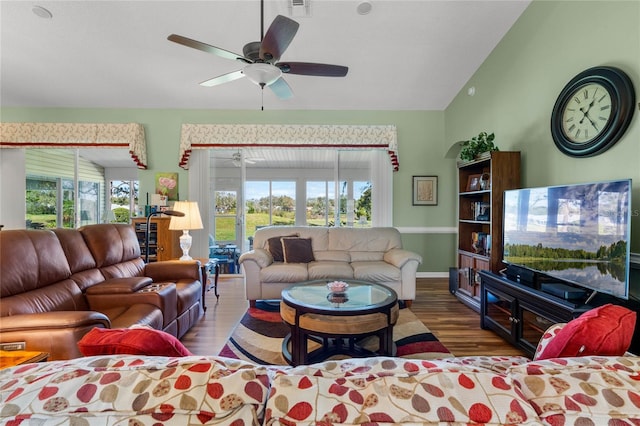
(262, 58)
(236, 159)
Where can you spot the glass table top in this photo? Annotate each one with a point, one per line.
(360, 295)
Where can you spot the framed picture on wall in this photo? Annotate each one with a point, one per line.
(167, 185)
(425, 190)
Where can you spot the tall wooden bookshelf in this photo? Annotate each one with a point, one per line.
(164, 244)
(481, 186)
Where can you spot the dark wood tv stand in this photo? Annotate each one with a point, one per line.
(521, 313)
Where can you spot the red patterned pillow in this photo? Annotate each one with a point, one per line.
(605, 331)
(133, 341)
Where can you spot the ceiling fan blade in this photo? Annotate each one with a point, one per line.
(207, 48)
(308, 68)
(277, 39)
(281, 89)
(224, 78)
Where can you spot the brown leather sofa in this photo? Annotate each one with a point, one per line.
(56, 285)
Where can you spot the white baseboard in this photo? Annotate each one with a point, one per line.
(432, 275)
(427, 229)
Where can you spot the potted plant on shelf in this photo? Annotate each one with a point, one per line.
(477, 145)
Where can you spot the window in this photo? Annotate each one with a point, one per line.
(269, 203)
(362, 207)
(49, 202)
(283, 203)
(320, 202)
(298, 187)
(258, 206)
(89, 202)
(123, 201)
(226, 207)
(62, 189)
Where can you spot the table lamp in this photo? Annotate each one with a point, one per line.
(147, 231)
(190, 220)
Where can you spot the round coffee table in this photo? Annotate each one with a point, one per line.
(337, 320)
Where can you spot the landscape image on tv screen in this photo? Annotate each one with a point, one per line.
(577, 233)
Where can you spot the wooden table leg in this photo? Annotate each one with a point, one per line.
(215, 280)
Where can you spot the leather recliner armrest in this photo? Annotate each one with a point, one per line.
(53, 320)
(162, 296)
(56, 332)
(174, 270)
(119, 285)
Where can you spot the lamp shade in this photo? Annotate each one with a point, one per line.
(191, 218)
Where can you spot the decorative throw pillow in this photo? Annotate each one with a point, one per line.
(297, 250)
(605, 331)
(549, 334)
(274, 246)
(132, 341)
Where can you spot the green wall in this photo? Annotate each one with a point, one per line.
(519, 82)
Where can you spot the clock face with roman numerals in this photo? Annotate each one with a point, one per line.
(587, 113)
(593, 111)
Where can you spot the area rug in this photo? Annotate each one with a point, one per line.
(259, 335)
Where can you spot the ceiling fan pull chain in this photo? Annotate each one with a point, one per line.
(262, 96)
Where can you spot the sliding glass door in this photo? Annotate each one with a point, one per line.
(63, 189)
(226, 199)
(289, 187)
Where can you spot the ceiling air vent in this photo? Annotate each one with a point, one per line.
(299, 8)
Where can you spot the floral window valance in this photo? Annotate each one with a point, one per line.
(203, 136)
(77, 135)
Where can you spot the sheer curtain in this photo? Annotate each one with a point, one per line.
(199, 177)
(382, 194)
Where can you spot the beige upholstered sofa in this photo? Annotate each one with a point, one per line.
(367, 254)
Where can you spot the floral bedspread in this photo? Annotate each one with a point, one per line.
(138, 390)
(134, 390)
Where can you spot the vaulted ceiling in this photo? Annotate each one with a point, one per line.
(402, 55)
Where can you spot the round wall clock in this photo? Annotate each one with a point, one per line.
(593, 111)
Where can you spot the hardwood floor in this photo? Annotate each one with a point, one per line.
(454, 324)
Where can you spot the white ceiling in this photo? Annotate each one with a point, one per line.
(404, 55)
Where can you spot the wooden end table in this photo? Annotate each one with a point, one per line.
(337, 320)
(209, 266)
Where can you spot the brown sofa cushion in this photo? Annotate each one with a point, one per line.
(297, 250)
(275, 247)
(111, 243)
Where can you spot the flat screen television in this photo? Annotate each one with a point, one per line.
(578, 234)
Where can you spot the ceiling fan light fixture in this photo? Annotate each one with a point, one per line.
(261, 73)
